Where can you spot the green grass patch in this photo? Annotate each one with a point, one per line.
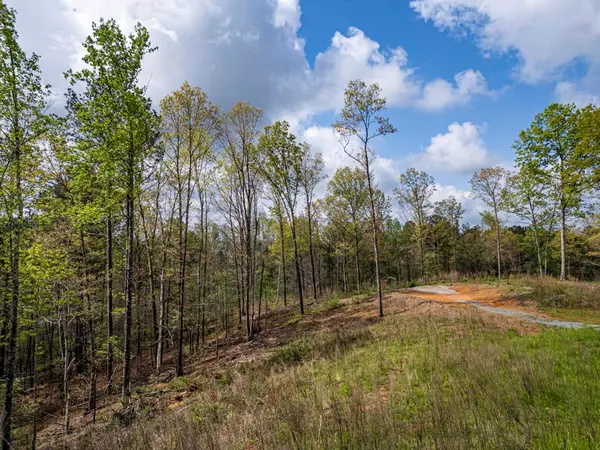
(179, 383)
(588, 316)
(405, 382)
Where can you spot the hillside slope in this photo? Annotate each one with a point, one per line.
(431, 374)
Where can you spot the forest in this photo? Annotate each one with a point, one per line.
(137, 232)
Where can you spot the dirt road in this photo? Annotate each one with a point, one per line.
(450, 295)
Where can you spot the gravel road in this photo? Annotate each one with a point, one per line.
(529, 317)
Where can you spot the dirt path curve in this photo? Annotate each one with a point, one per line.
(449, 295)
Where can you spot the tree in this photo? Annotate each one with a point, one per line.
(525, 197)
(277, 211)
(347, 198)
(451, 211)
(189, 129)
(23, 120)
(550, 152)
(310, 174)
(360, 119)
(281, 168)
(414, 196)
(488, 185)
(239, 190)
(114, 101)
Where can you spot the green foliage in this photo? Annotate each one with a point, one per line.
(549, 152)
(115, 120)
(282, 165)
(179, 384)
(414, 196)
(291, 353)
(363, 105)
(113, 161)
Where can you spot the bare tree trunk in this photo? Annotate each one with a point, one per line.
(345, 277)
(151, 278)
(15, 252)
(126, 393)
(536, 239)
(282, 236)
(92, 344)
(260, 295)
(66, 365)
(199, 299)
(357, 261)
(310, 248)
(498, 243)
(34, 413)
(375, 232)
(563, 244)
(205, 272)
(298, 270)
(5, 320)
(109, 300)
(161, 318)
(181, 283)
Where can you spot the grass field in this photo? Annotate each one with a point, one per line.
(409, 381)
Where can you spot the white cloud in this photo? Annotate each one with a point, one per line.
(287, 13)
(546, 35)
(460, 150)
(239, 50)
(440, 94)
(568, 92)
(247, 50)
(324, 140)
(386, 172)
(355, 56)
(472, 206)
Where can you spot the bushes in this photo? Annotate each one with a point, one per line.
(549, 292)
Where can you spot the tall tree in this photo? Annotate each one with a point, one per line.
(348, 198)
(23, 103)
(361, 120)
(549, 151)
(311, 174)
(189, 129)
(488, 185)
(277, 211)
(530, 200)
(240, 189)
(451, 211)
(283, 160)
(414, 196)
(116, 100)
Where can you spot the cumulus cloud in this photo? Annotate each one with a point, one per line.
(240, 50)
(460, 150)
(440, 94)
(251, 51)
(547, 35)
(568, 92)
(355, 56)
(472, 206)
(287, 13)
(386, 171)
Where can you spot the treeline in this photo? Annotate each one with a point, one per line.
(131, 237)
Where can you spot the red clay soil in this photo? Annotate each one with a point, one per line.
(484, 294)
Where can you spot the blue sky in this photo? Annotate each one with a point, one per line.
(462, 77)
(433, 54)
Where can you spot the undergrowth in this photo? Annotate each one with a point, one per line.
(405, 382)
